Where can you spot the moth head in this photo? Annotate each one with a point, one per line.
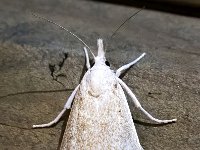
(100, 58)
(101, 52)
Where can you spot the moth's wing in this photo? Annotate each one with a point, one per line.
(103, 122)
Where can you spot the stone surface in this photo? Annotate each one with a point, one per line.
(166, 82)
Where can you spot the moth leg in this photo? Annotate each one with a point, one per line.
(138, 105)
(71, 98)
(67, 106)
(87, 58)
(125, 67)
(52, 122)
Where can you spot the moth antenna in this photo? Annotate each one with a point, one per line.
(134, 14)
(50, 21)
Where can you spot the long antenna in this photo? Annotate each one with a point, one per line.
(134, 14)
(43, 18)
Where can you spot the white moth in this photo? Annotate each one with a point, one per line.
(100, 117)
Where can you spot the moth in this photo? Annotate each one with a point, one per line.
(100, 117)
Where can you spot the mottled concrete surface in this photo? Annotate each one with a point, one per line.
(167, 81)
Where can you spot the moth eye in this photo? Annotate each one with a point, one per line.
(107, 63)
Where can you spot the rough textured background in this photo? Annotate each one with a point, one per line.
(167, 81)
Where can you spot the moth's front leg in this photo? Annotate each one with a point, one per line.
(87, 58)
(125, 67)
